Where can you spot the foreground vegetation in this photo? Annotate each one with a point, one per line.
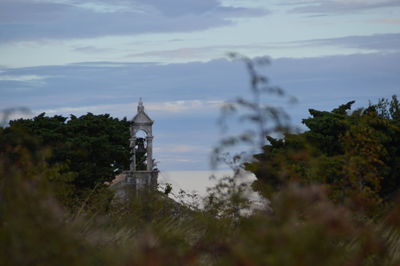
(302, 226)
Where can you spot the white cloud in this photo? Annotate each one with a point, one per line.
(183, 106)
(22, 78)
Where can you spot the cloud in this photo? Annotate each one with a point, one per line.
(91, 49)
(338, 6)
(21, 78)
(103, 64)
(184, 106)
(175, 87)
(32, 20)
(389, 21)
(194, 88)
(171, 107)
(377, 42)
(21, 82)
(204, 51)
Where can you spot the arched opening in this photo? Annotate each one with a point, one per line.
(141, 150)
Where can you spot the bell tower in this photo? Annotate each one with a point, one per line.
(141, 146)
(142, 173)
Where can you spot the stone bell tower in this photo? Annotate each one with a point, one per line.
(141, 121)
(142, 173)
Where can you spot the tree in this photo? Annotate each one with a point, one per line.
(357, 155)
(91, 148)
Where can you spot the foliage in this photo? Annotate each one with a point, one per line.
(90, 149)
(304, 228)
(32, 231)
(356, 155)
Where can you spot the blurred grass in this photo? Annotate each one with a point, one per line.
(304, 228)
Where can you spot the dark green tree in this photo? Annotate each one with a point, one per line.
(355, 154)
(91, 148)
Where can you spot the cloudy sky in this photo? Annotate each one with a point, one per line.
(100, 56)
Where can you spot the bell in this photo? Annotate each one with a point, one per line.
(140, 145)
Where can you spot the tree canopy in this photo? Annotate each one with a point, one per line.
(90, 149)
(355, 154)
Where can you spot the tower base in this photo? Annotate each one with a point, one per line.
(133, 182)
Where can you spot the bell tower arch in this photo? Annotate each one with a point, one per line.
(141, 122)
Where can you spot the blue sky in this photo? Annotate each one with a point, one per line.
(100, 56)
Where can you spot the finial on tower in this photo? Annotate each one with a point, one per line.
(140, 107)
